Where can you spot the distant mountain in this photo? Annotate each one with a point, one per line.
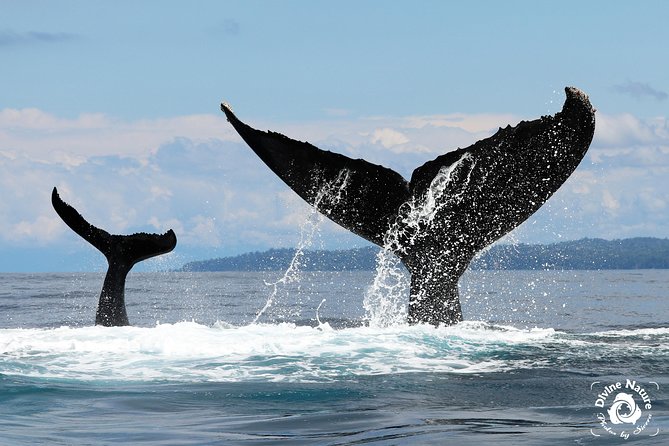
(359, 259)
(584, 254)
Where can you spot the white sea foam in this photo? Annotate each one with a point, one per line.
(189, 352)
(636, 332)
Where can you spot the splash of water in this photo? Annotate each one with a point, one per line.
(385, 301)
(329, 194)
(190, 352)
(318, 318)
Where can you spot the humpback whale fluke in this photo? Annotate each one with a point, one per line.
(453, 207)
(121, 251)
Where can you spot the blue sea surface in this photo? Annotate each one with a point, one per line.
(528, 366)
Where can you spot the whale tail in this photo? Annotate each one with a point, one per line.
(122, 253)
(121, 250)
(453, 206)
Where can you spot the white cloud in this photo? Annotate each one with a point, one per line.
(43, 229)
(609, 202)
(626, 131)
(44, 137)
(203, 231)
(435, 134)
(160, 193)
(653, 200)
(36, 120)
(193, 174)
(475, 123)
(160, 225)
(388, 138)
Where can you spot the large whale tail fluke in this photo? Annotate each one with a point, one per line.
(453, 206)
(122, 253)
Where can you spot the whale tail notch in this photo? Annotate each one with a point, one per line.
(122, 253)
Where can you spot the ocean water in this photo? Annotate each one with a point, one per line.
(537, 352)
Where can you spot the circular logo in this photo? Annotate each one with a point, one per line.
(625, 409)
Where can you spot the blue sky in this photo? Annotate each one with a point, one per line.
(117, 104)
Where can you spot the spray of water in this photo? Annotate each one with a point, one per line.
(318, 318)
(329, 194)
(385, 301)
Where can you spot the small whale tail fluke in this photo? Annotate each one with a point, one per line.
(122, 253)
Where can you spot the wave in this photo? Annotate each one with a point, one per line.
(191, 352)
